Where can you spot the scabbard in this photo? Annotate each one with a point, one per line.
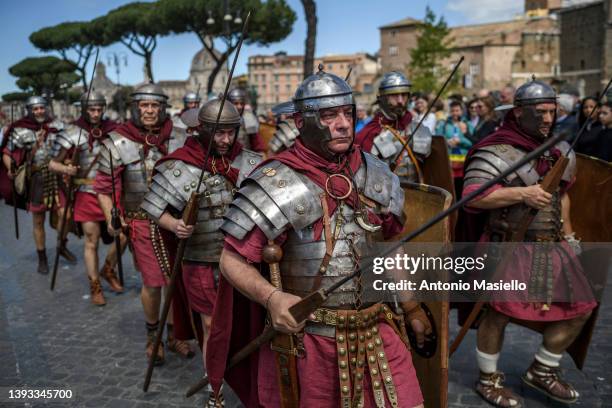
(285, 350)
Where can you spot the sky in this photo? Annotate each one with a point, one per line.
(344, 26)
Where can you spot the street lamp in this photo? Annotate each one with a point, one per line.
(210, 20)
(114, 59)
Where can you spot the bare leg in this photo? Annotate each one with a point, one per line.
(92, 237)
(151, 300)
(39, 230)
(111, 255)
(558, 336)
(206, 323)
(490, 337)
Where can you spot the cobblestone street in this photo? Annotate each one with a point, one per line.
(58, 340)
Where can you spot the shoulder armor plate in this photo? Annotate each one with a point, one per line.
(128, 150)
(379, 180)
(246, 161)
(251, 124)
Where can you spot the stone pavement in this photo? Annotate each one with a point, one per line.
(58, 340)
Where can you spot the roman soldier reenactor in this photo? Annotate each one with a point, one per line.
(388, 131)
(176, 178)
(26, 157)
(133, 148)
(86, 135)
(318, 203)
(548, 269)
(248, 136)
(191, 100)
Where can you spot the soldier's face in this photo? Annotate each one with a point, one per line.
(95, 114)
(192, 105)
(240, 106)
(339, 120)
(537, 120)
(398, 100)
(149, 112)
(224, 139)
(40, 113)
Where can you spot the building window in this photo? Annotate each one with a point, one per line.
(288, 87)
(367, 88)
(276, 77)
(474, 69)
(393, 50)
(582, 64)
(288, 77)
(276, 88)
(392, 33)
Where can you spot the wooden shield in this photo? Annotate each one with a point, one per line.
(590, 199)
(423, 202)
(437, 172)
(590, 213)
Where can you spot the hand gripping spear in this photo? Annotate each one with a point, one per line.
(301, 310)
(70, 188)
(550, 183)
(116, 221)
(13, 192)
(405, 143)
(190, 216)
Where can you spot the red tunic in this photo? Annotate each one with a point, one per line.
(236, 321)
(520, 269)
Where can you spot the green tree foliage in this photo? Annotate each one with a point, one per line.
(38, 74)
(15, 96)
(271, 21)
(426, 70)
(137, 26)
(70, 39)
(120, 100)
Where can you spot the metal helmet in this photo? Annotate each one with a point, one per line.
(321, 91)
(191, 97)
(33, 101)
(207, 117)
(148, 92)
(92, 98)
(534, 92)
(283, 108)
(237, 95)
(393, 83)
(526, 97)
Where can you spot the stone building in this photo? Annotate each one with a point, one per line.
(396, 41)
(586, 45)
(275, 78)
(495, 53)
(202, 65)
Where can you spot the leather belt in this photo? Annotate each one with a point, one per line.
(136, 215)
(83, 181)
(360, 350)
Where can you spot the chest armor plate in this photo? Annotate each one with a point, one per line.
(137, 177)
(206, 243)
(302, 256)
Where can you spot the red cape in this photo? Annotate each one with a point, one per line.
(157, 137)
(194, 153)
(6, 186)
(106, 126)
(237, 320)
(365, 137)
(470, 226)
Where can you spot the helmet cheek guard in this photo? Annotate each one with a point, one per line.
(318, 92)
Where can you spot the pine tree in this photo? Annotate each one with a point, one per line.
(426, 70)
